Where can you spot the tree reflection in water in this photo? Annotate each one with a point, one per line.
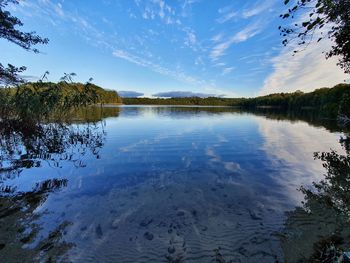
(52, 142)
(19, 228)
(320, 230)
(317, 232)
(25, 146)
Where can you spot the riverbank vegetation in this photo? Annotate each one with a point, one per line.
(33, 102)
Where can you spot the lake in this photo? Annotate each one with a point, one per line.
(165, 184)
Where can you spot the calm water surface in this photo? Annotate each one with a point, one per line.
(166, 184)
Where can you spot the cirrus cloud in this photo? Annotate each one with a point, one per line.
(306, 70)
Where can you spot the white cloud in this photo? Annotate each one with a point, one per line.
(199, 61)
(59, 10)
(306, 71)
(178, 75)
(161, 11)
(148, 13)
(158, 8)
(217, 37)
(227, 17)
(220, 64)
(227, 70)
(227, 13)
(224, 9)
(241, 36)
(191, 39)
(258, 8)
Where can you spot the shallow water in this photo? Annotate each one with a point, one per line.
(168, 184)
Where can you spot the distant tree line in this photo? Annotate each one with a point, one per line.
(330, 102)
(210, 101)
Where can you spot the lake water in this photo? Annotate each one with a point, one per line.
(163, 184)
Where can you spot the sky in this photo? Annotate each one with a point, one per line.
(170, 47)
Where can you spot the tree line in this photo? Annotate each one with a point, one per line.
(330, 102)
(210, 101)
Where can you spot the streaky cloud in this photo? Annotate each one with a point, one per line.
(140, 61)
(259, 8)
(241, 36)
(306, 70)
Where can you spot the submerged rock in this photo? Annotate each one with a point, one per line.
(171, 250)
(254, 216)
(180, 213)
(98, 231)
(148, 236)
(145, 222)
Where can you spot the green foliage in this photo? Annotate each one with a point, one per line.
(8, 30)
(324, 19)
(325, 100)
(344, 107)
(34, 102)
(10, 75)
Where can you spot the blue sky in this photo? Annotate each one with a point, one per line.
(229, 48)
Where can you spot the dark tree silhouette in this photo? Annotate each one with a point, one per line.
(20, 234)
(68, 77)
(9, 30)
(10, 74)
(322, 19)
(319, 230)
